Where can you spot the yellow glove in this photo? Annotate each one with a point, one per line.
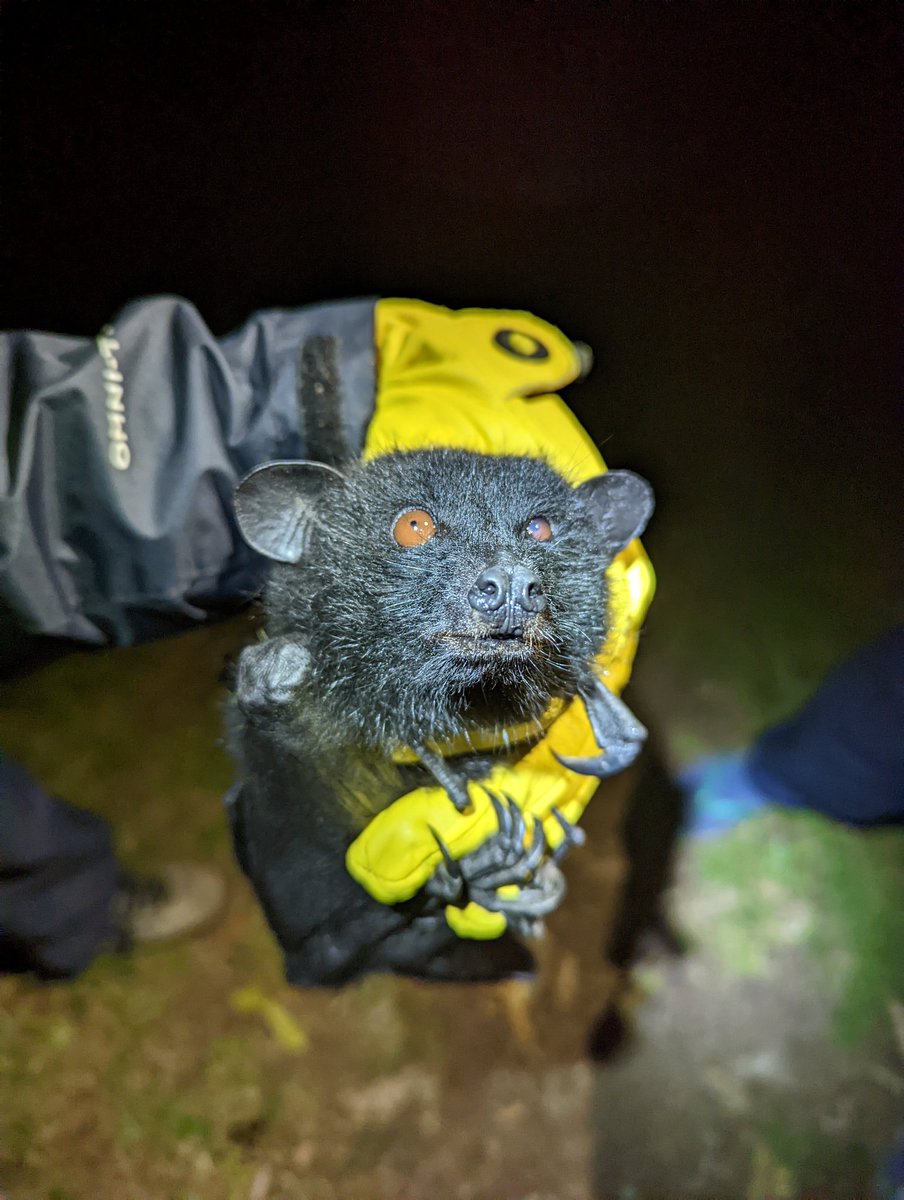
(479, 380)
(399, 850)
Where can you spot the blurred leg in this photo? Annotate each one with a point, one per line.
(58, 877)
(843, 753)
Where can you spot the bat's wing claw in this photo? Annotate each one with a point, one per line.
(503, 816)
(619, 735)
(518, 828)
(537, 848)
(269, 674)
(450, 863)
(574, 836)
(603, 765)
(533, 900)
(448, 880)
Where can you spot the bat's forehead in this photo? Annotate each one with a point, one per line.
(460, 487)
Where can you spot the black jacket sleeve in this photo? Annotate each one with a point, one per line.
(120, 455)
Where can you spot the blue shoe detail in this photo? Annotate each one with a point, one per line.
(720, 794)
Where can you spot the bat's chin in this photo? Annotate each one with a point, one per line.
(485, 680)
(489, 647)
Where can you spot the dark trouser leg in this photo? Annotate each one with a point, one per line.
(843, 753)
(57, 880)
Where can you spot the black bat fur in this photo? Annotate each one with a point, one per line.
(374, 647)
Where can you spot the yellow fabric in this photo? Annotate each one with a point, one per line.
(444, 380)
(475, 922)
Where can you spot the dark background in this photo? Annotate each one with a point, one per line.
(707, 193)
(566, 156)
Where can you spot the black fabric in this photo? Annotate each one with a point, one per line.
(842, 754)
(121, 455)
(329, 929)
(58, 877)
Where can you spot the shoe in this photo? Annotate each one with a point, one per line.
(181, 899)
(720, 794)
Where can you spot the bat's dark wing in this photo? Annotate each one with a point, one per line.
(619, 735)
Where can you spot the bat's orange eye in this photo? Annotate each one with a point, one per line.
(539, 529)
(414, 527)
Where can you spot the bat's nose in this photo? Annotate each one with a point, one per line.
(490, 590)
(496, 588)
(528, 590)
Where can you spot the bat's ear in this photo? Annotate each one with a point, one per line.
(277, 503)
(619, 503)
